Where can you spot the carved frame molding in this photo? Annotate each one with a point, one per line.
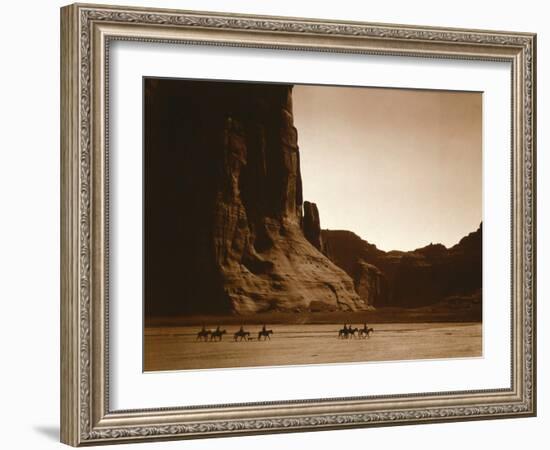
(86, 31)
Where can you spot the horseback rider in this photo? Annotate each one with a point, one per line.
(265, 333)
(241, 330)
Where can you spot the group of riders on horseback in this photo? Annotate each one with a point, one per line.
(212, 335)
(216, 335)
(241, 335)
(348, 332)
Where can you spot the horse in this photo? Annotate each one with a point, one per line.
(203, 334)
(265, 334)
(217, 335)
(352, 331)
(365, 332)
(241, 334)
(347, 331)
(343, 333)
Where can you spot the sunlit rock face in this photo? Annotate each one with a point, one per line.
(224, 207)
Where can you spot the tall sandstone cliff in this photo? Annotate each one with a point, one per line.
(224, 225)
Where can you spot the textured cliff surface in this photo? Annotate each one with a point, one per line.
(224, 225)
(371, 284)
(421, 277)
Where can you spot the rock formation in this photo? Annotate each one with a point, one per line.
(421, 277)
(370, 283)
(312, 225)
(224, 225)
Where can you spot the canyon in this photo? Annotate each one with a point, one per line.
(227, 231)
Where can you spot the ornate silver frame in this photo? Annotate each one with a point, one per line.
(86, 31)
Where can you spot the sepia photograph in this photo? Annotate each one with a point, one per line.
(292, 224)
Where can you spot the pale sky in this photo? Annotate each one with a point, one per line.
(400, 168)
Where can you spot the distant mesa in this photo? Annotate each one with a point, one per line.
(227, 230)
(421, 277)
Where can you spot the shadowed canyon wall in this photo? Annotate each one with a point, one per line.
(225, 230)
(417, 278)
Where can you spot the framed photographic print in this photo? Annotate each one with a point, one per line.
(275, 224)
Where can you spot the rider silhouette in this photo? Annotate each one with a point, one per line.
(263, 327)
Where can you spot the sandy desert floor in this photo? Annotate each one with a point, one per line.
(177, 348)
